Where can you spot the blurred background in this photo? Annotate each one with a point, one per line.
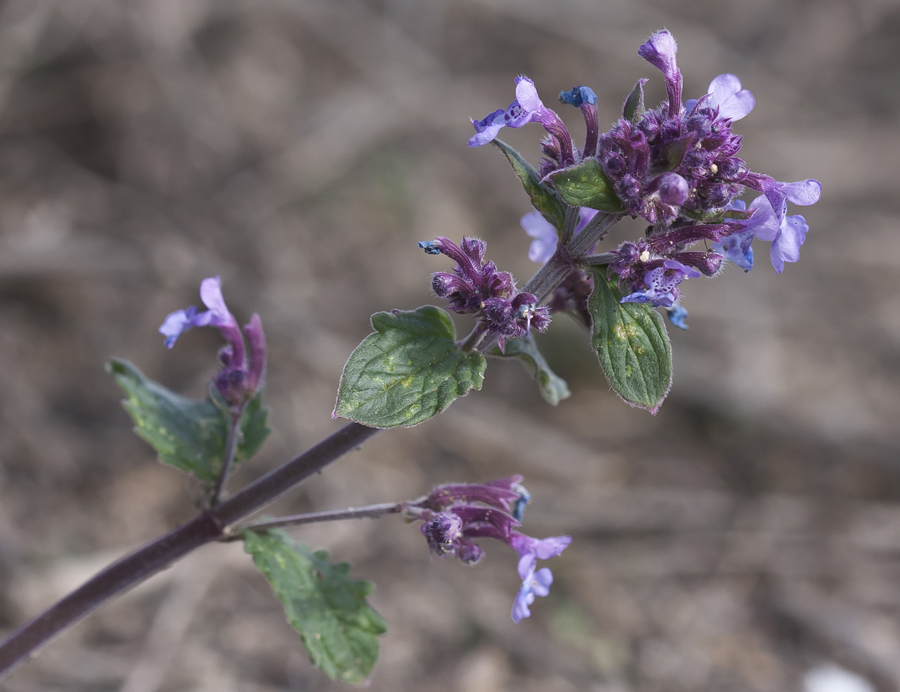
(746, 538)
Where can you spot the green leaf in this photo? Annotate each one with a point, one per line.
(253, 428)
(543, 198)
(634, 104)
(188, 434)
(552, 387)
(586, 185)
(329, 611)
(632, 344)
(409, 370)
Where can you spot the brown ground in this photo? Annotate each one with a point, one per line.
(299, 148)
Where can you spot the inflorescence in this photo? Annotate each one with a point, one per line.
(677, 167)
(242, 368)
(455, 514)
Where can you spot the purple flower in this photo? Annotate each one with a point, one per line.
(545, 237)
(802, 192)
(533, 584)
(532, 549)
(725, 93)
(659, 51)
(489, 510)
(217, 315)
(736, 248)
(662, 284)
(240, 377)
(769, 223)
(527, 107)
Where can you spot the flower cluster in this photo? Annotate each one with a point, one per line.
(241, 372)
(454, 514)
(677, 167)
(478, 287)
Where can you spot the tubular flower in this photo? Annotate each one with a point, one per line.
(240, 375)
(455, 514)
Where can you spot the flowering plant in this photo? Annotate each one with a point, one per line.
(675, 166)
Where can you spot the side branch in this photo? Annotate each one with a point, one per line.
(156, 556)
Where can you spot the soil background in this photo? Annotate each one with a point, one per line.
(300, 148)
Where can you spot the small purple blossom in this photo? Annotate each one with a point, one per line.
(737, 249)
(526, 108)
(217, 315)
(662, 284)
(533, 584)
(726, 95)
(769, 223)
(455, 514)
(545, 237)
(239, 377)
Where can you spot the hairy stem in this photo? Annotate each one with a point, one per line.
(367, 512)
(156, 556)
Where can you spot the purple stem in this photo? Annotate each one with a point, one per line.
(204, 528)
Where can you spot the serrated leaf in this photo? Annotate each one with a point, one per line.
(543, 197)
(551, 386)
(188, 434)
(632, 344)
(336, 625)
(409, 370)
(586, 185)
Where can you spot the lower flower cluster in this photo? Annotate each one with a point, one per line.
(478, 287)
(454, 515)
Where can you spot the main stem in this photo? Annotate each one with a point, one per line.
(204, 528)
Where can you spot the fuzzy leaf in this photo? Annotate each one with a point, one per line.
(336, 625)
(634, 104)
(586, 185)
(551, 386)
(188, 434)
(632, 344)
(409, 370)
(543, 198)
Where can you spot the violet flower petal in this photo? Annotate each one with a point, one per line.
(544, 244)
(176, 323)
(725, 93)
(786, 247)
